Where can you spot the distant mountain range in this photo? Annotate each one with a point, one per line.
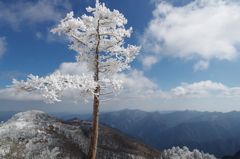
(34, 134)
(211, 132)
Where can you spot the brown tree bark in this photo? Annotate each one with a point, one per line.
(94, 136)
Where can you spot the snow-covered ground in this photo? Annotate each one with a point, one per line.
(35, 135)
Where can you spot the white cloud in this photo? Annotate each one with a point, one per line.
(8, 94)
(136, 80)
(3, 47)
(72, 68)
(231, 93)
(205, 29)
(136, 86)
(196, 90)
(201, 65)
(20, 12)
(148, 61)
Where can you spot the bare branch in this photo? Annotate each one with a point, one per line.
(102, 71)
(107, 58)
(79, 40)
(103, 66)
(29, 89)
(110, 98)
(108, 93)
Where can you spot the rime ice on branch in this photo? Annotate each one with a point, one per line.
(184, 153)
(99, 41)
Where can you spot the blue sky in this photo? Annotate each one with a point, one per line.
(189, 57)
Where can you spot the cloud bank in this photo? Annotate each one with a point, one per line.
(196, 90)
(8, 94)
(137, 87)
(203, 30)
(72, 68)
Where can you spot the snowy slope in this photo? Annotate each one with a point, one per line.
(34, 134)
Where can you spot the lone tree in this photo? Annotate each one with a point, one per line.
(99, 41)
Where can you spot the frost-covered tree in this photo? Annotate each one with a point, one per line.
(99, 41)
(184, 153)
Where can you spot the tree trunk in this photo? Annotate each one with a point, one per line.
(94, 136)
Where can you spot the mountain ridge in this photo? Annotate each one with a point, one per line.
(187, 127)
(35, 134)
